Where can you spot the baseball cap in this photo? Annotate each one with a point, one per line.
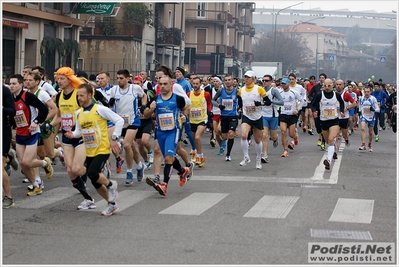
(285, 81)
(250, 73)
(139, 78)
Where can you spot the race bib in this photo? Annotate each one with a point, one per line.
(89, 138)
(126, 120)
(228, 103)
(67, 122)
(250, 110)
(367, 111)
(196, 114)
(166, 121)
(287, 107)
(329, 113)
(20, 119)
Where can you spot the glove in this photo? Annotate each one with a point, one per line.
(142, 108)
(372, 109)
(222, 107)
(258, 103)
(267, 101)
(240, 115)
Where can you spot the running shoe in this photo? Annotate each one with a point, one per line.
(202, 162)
(147, 165)
(370, 149)
(377, 138)
(265, 159)
(291, 145)
(355, 127)
(112, 191)
(258, 164)
(362, 147)
(48, 168)
(183, 175)
(119, 164)
(285, 154)
(323, 146)
(129, 178)
(191, 167)
(296, 140)
(153, 181)
(221, 151)
(275, 142)
(36, 190)
(224, 144)
(61, 157)
(335, 156)
(162, 188)
(228, 158)
(347, 144)
(140, 173)
(111, 209)
(213, 142)
(310, 132)
(150, 157)
(245, 161)
(87, 204)
(8, 202)
(384, 127)
(319, 142)
(326, 164)
(193, 154)
(13, 159)
(41, 185)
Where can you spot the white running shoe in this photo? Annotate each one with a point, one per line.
(258, 164)
(87, 204)
(110, 210)
(245, 161)
(228, 158)
(112, 191)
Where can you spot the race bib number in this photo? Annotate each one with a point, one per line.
(250, 110)
(287, 107)
(228, 103)
(329, 113)
(126, 120)
(166, 121)
(89, 138)
(196, 114)
(367, 111)
(67, 122)
(20, 119)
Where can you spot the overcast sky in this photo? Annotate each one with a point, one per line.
(378, 6)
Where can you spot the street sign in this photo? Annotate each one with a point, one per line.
(94, 8)
(331, 57)
(383, 59)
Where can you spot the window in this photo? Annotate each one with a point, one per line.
(201, 10)
(201, 41)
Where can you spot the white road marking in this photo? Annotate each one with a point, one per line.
(275, 207)
(195, 204)
(353, 210)
(47, 197)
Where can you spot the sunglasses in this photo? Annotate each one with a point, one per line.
(265, 81)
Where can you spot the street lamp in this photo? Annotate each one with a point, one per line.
(292, 31)
(275, 28)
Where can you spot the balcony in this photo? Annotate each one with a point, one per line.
(209, 16)
(169, 37)
(247, 5)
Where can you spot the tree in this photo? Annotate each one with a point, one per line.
(291, 50)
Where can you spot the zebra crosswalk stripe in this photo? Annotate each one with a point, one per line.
(275, 207)
(353, 210)
(46, 198)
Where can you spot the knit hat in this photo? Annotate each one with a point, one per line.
(217, 79)
(181, 69)
(70, 74)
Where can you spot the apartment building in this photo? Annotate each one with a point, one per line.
(44, 34)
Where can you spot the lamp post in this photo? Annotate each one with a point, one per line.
(292, 31)
(275, 28)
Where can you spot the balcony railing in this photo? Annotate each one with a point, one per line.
(214, 16)
(229, 51)
(169, 37)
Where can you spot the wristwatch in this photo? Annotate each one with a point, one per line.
(114, 138)
(35, 121)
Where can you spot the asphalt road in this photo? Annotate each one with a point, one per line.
(226, 214)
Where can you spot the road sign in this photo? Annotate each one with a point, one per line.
(94, 8)
(331, 57)
(383, 59)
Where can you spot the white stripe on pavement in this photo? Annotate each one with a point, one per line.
(46, 198)
(195, 204)
(353, 210)
(126, 198)
(275, 207)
